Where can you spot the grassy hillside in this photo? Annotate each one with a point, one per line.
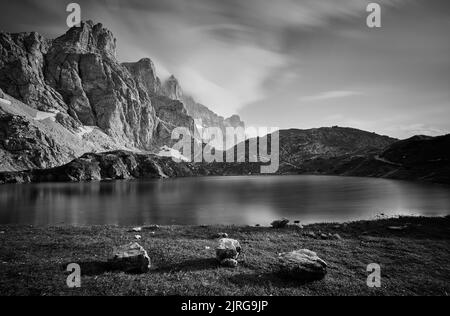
(414, 261)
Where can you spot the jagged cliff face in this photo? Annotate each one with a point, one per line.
(144, 74)
(77, 82)
(208, 117)
(81, 65)
(22, 60)
(172, 89)
(78, 73)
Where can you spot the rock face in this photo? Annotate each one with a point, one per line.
(78, 78)
(227, 252)
(172, 89)
(81, 65)
(78, 74)
(170, 115)
(22, 61)
(131, 258)
(209, 118)
(144, 74)
(302, 265)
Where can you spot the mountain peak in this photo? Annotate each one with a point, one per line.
(172, 88)
(89, 38)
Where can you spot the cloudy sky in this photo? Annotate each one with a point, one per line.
(283, 63)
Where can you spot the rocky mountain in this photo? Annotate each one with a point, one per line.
(116, 165)
(78, 74)
(209, 118)
(300, 148)
(69, 96)
(326, 151)
(352, 152)
(68, 106)
(418, 158)
(171, 88)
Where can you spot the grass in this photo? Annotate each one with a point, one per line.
(414, 261)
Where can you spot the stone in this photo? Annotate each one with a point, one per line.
(229, 263)
(228, 249)
(280, 223)
(138, 237)
(302, 265)
(137, 229)
(131, 258)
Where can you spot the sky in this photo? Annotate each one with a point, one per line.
(284, 63)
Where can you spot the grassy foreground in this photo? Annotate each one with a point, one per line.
(414, 261)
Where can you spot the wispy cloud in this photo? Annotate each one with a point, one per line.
(330, 95)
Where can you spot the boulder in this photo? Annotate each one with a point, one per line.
(130, 258)
(229, 263)
(280, 223)
(302, 265)
(228, 249)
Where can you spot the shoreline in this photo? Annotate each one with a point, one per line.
(412, 251)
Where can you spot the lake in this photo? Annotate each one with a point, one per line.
(219, 200)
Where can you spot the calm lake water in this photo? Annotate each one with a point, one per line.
(219, 200)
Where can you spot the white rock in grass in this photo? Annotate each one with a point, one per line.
(130, 258)
(302, 265)
(228, 249)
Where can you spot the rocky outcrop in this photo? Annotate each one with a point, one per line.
(170, 115)
(31, 139)
(172, 89)
(78, 74)
(81, 65)
(208, 117)
(77, 81)
(117, 165)
(144, 74)
(22, 62)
